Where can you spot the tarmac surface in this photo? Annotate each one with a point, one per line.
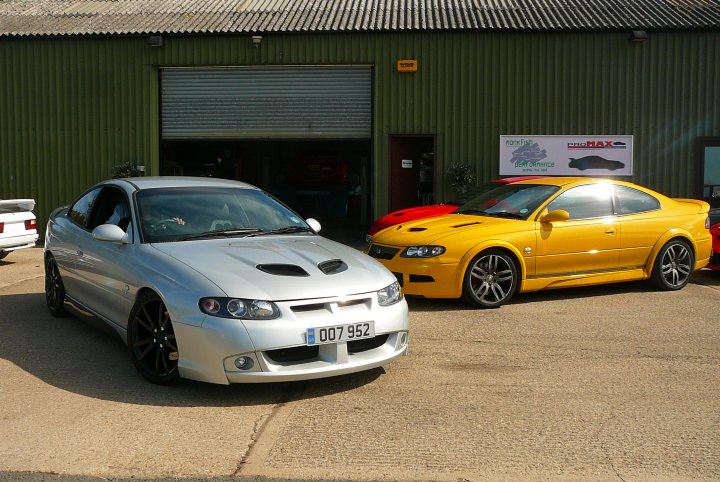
(619, 382)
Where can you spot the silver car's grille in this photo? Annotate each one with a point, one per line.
(382, 252)
(324, 309)
(294, 354)
(310, 353)
(359, 346)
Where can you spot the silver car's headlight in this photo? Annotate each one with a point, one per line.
(423, 251)
(239, 308)
(390, 294)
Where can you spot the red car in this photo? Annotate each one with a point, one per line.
(434, 210)
(715, 258)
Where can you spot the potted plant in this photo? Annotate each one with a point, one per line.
(126, 169)
(461, 177)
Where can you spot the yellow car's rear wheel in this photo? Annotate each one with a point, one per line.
(490, 279)
(674, 265)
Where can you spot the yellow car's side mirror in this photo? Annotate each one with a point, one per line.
(555, 216)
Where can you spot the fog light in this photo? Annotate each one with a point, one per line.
(244, 363)
(403, 339)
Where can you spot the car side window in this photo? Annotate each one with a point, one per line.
(81, 209)
(585, 202)
(632, 201)
(111, 207)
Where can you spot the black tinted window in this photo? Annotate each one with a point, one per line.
(80, 212)
(631, 201)
(584, 202)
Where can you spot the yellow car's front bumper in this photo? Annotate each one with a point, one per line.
(426, 276)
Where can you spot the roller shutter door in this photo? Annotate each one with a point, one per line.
(275, 102)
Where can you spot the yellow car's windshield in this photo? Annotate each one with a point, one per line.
(517, 201)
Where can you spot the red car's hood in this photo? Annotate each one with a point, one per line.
(411, 214)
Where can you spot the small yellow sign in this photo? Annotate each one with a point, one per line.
(407, 65)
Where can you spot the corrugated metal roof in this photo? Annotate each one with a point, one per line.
(109, 17)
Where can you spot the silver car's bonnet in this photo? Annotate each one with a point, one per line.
(248, 267)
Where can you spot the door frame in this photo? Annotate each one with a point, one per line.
(700, 144)
(389, 163)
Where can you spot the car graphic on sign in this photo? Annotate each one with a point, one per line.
(595, 162)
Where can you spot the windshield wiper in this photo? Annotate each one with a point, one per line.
(505, 214)
(286, 230)
(220, 233)
(470, 211)
(498, 214)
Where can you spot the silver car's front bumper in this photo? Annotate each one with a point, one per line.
(278, 347)
(331, 360)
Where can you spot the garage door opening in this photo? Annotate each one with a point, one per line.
(327, 180)
(303, 133)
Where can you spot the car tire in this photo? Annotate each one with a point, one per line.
(673, 266)
(3, 254)
(151, 340)
(54, 288)
(490, 279)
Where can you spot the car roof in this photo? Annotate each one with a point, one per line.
(564, 181)
(154, 182)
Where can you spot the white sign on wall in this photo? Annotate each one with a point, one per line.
(594, 155)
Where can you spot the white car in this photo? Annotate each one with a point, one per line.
(216, 281)
(18, 228)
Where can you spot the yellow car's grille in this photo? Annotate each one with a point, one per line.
(382, 252)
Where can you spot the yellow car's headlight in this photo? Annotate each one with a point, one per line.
(423, 251)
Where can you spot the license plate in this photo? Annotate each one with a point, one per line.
(339, 333)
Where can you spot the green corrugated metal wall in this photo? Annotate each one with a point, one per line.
(71, 108)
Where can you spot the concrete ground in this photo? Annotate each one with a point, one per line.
(609, 383)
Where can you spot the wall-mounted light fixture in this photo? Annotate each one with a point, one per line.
(638, 36)
(256, 40)
(155, 41)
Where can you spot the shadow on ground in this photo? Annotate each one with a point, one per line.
(704, 277)
(43, 477)
(73, 355)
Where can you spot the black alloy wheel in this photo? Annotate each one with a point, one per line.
(54, 288)
(151, 340)
(673, 266)
(490, 280)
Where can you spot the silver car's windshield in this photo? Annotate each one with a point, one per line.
(175, 214)
(517, 201)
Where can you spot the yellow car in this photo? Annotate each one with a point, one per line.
(548, 233)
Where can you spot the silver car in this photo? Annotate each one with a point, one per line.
(215, 280)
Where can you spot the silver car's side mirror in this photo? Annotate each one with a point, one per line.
(314, 224)
(111, 233)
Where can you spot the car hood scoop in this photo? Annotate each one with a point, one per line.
(333, 266)
(435, 230)
(281, 267)
(466, 224)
